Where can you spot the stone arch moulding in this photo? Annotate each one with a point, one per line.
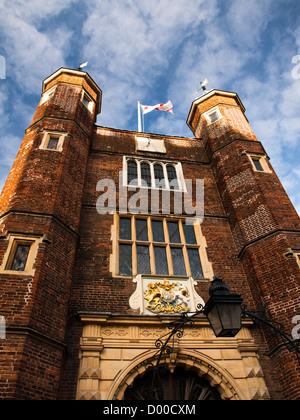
(199, 363)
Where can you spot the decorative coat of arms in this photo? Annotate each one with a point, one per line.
(167, 297)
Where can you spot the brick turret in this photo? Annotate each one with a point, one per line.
(264, 223)
(40, 212)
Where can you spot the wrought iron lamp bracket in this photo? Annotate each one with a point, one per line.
(276, 328)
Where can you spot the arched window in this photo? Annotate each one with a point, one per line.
(172, 177)
(159, 176)
(132, 174)
(145, 174)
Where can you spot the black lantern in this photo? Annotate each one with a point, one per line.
(223, 310)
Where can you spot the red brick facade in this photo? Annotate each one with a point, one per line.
(250, 226)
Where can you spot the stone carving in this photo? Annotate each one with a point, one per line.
(166, 297)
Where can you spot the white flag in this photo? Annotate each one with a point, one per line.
(168, 107)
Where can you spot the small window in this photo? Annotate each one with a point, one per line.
(159, 176)
(132, 174)
(87, 101)
(213, 115)
(20, 255)
(146, 174)
(172, 177)
(48, 95)
(53, 141)
(259, 163)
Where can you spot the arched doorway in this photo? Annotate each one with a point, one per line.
(177, 385)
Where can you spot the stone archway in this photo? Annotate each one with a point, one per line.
(115, 351)
(176, 385)
(194, 371)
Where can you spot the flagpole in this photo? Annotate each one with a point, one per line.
(139, 118)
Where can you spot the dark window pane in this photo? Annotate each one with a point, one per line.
(195, 263)
(20, 258)
(189, 233)
(143, 261)
(52, 143)
(161, 265)
(158, 231)
(125, 260)
(159, 176)
(173, 182)
(178, 262)
(214, 117)
(146, 174)
(257, 164)
(132, 175)
(174, 232)
(125, 228)
(85, 101)
(141, 230)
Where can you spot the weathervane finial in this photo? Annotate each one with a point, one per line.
(82, 65)
(203, 86)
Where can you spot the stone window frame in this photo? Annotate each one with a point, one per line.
(87, 101)
(201, 245)
(297, 256)
(212, 111)
(53, 134)
(48, 95)
(152, 163)
(13, 241)
(262, 158)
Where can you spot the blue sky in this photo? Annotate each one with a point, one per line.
(155, 50)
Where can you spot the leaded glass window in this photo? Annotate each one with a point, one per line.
(153, 174)
(146, 174)
(143, 260)
(161, 264)
(141, 230)
(125, 259)
(257, 164)
(53, 143)
(158, 231)
(159, 176)
(158, 246)
(132, 173)
(172, 177)
(195, 263)
(178, 262)
(189, 233)
(125, 228)
(174, 232)
(20, 258)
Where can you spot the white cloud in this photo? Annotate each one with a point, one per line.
(153, 51)
(31, 53)
(136, 43)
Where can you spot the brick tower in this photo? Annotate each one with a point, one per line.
(40, 212)
(263, 221)
(77, 284)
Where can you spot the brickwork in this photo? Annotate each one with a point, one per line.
(264, 224)
(249, 225)
(42, 198)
